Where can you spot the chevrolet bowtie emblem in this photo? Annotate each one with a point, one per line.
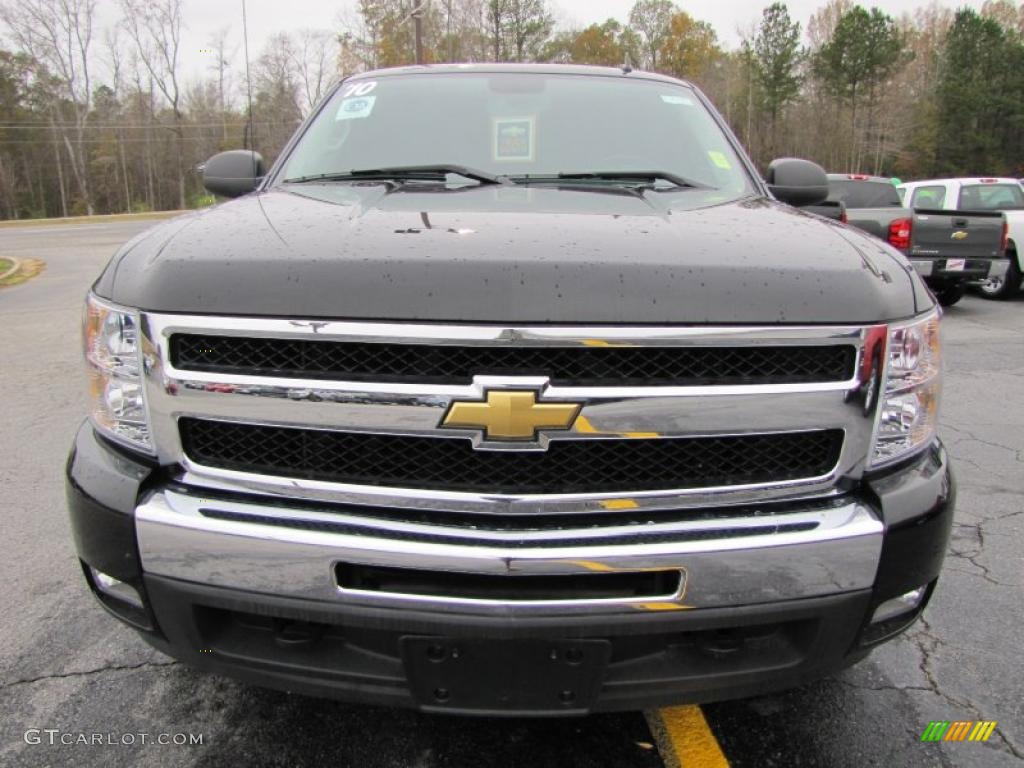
(959, 235)
(510, 415)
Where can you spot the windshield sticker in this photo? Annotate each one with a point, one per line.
(683, 100)
(358, 89)
(356, 107)
(514, 139)
(720, 160)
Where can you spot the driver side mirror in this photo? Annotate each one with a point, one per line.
(233, 173)
(797, 182)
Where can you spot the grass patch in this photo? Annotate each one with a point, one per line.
(5, 264)
(98, 219)
(29, 268)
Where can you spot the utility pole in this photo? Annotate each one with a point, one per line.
(417, 20)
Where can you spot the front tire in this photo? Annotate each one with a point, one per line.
(1005, 287)
(950, 295)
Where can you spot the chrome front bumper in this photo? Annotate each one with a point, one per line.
(742, 557)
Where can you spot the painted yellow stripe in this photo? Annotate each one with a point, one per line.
(684, 738)
(620, 504)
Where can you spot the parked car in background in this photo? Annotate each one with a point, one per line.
(829, 209)
(1004, 195)
(949, 249)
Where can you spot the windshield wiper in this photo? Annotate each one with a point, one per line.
(408, 172)
(637, 176)
(652, 176)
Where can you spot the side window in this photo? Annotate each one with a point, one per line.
(929, 197)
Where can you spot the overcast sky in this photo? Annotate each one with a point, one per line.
(269, 16)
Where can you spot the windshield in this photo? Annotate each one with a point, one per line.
(521, 126)
(864, 194)
(991, 197)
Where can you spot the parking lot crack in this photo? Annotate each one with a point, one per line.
(927, 643)
(88, 672)
(971, 437)
(972, 554)
(863, 687)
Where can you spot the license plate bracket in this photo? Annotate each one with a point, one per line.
(505, 676)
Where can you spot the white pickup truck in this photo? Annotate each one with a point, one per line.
(979, 194)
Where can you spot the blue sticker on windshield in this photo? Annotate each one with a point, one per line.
(356, 107)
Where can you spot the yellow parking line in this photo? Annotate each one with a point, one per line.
(684, 738)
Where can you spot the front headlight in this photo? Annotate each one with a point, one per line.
(110, 335)
(909, 410)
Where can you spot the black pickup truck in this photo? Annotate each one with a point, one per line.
(512, 390)
(950, 249)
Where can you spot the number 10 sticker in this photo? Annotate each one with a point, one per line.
(358, 89)
(356, 101)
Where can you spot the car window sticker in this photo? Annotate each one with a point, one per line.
(356, 107)
(720, 159)
(514, 139)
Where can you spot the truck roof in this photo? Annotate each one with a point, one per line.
(968, 180)
(532, 69)
(859, 177)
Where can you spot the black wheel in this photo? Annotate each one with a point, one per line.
(950, 295)
(1003, 287)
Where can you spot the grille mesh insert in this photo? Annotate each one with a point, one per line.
(422, 363)
(568, 466)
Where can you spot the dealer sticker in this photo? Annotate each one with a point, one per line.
(355, 108)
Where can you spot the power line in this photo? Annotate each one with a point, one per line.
(26, 126)
(112, 140)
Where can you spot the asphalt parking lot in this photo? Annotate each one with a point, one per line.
(66, 665)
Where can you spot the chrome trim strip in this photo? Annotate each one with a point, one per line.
(673, 598)
(838, 552)
(164, 325)
(495, 503)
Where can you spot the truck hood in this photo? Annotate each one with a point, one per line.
(511, 255)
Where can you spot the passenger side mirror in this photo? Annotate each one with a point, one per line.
(797, 182)
(233, 173)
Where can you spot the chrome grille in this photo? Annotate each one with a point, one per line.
(722, 437)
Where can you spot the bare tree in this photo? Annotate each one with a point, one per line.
(115, 61)
(58, 34)
(155, 27)
(314, 57)
(219, 44)
(276, 93)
